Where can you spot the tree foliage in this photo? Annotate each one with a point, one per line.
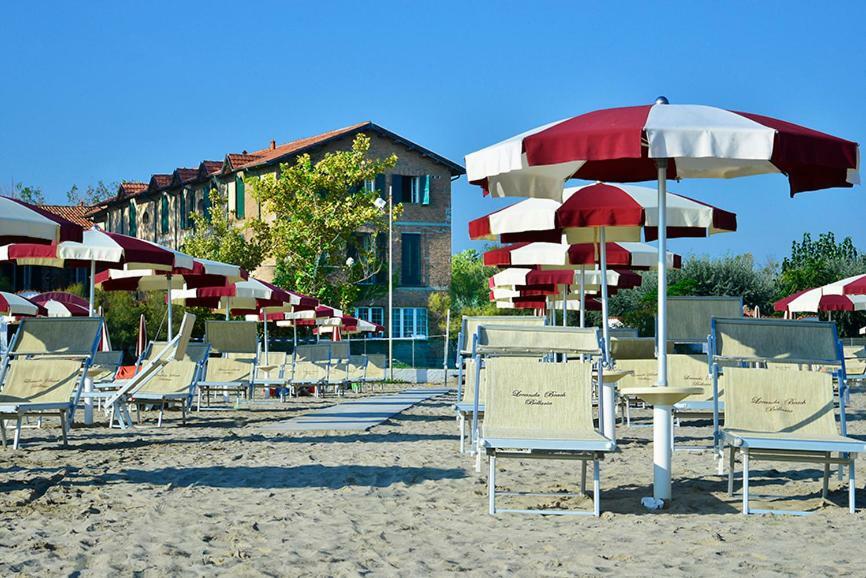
(813, 263)
(216, 237)
(28, 193)
(92, 194)
(318, 209)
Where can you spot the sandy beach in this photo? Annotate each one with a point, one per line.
(220, 496)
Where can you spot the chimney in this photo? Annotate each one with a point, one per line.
(273, 144)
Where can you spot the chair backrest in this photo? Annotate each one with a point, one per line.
(689, 317)
(45, 380)
(65, 336)
(770, 401)
(630, 332)
(227, 369)
(377, 363)
(778, 340)
(622, 348)
(683, 370)
(153, 349)
(469, 386)
(232, 336)
(528, 399)
(470, 325)
(108, 358)
(526, 340)
(340, 350)
(173, 377)
(317, 353)
(197, 352)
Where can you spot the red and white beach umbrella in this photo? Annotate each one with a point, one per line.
(563, 256)
(61, 304)
(97, 248)
(624, 212)
(658, 142)
(15, 305)
(22, 222)
(523, 277)
(814, 300)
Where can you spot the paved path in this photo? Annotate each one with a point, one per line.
(361, 414)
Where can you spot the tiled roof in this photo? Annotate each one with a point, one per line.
(263, 156)
(208, 168)
(183, 175)
(130, 188)
(159, 181)
(240, 160)
(75, 213)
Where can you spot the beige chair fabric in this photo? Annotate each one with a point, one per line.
(855, 359)
(357, 366)
(174, 377)
(531, 400)
(340, 350)
(521, 340)
(632, 348)
(689, 317)
(41, 380)
(318, 352)
(775, 403)
(58, 336)
(227, 370)
(276, 359)
(683, 370)
(232, 336)
(376, 367)
(309, 372)
(776, 340)
(469, 384)
(105, 365)
(471, 323)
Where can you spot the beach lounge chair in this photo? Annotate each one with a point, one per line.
(338, 367)
(271, 370)
(310, 368)
(774, 414)
(357, 371)
(175, 350)
(540, 409)
(105, 365)
(469, 325)
(375, 371)
(237, 344)
(44, 369)
(173, 383)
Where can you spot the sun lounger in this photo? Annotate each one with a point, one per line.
(537, 409)
(43, 371)
(469, 326)
(375, 372)
(237, 343)
(271, 370)
(173, 383)
(780, 415)
(152, 369)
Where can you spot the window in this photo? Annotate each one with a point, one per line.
(164, 214)
(205, 203)
(133, 224)
(183, 215)
(409, 322)
(372, 314)
(377, 185)
(240, 190)
(410, 261)
(408, 189)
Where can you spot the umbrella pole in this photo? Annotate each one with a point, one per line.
(168, 288)
(266, 337)
(564, 309)
(662, 414)
(92, 287)
(605, 319)
(583, 298)
(228, 306)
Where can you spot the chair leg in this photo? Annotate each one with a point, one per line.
(161, 411)
(3, 432)
(478, 455)
(138, 413)
(596, 488)
(825, 485)
(17, 439)
(583, 465)
(63, 427)
(491, 486)
(183, 413)
(851, 488)
(746, 482)
(731, 463)
(462, 423)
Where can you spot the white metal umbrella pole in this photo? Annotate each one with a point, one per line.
(228, 306)
(564, 305)
(170, 329)
(266, 337)
(605, 320)
(92, 310)
(662, 414)
(583, 298)
(445, 353)
(390, 283)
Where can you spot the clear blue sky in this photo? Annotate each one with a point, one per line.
(120, 90)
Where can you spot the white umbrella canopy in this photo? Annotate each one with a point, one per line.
(659, 142)
(12, 304)
(22, 222)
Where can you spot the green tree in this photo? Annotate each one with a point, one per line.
(326, 222)
(813, 263)
(216, 237)
(92, 195)
(29, 194)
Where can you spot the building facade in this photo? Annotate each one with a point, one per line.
(160, 211)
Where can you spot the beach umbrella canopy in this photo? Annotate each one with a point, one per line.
(562, 255)
(543, 303)
(248, 296)
(60, 304)
(658, 142)
(814, 300)
(194, 272)
(517, 277)
(15, 305)
(22, 222)
(97, 248)
(623, 211)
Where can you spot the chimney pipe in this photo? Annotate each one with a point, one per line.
(273, 144)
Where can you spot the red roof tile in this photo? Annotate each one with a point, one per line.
(130, 188)
(159, 181)
(75, 213)
(208, 168)
(263, 156)
(183, 175)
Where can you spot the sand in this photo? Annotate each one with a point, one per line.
(221, 497)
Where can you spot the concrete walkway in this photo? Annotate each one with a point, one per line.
(357, 415)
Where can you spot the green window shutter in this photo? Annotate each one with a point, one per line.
(206, 203)
(379, 185)
(397, 188)
(164, 214)
(425, 190)
(183, 209)
(133, 224)
(239, 197)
